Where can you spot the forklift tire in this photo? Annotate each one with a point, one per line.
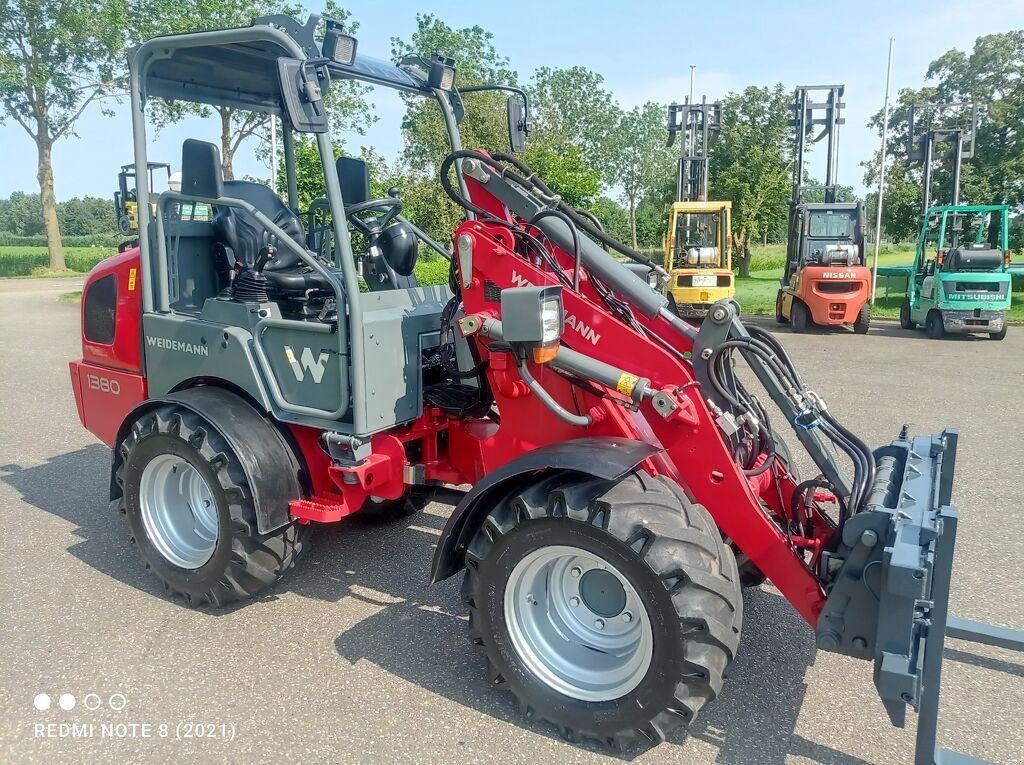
(905, 321)
(998, 335)
(191, 513)
(610, 609)
(801, 316)
(780, 318)
(933, 325)
(863, 322)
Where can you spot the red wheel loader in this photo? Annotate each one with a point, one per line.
(625, 484)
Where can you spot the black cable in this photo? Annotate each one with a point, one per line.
(577, 254)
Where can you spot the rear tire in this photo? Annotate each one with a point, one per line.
(905, 321)
(191, 513)
(662, 562)
(998, 335)
(933, 325)
(863, 322)
(801, 316)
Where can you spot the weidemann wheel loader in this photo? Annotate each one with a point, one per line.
(624, 482)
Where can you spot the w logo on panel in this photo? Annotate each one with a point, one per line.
(306, 363)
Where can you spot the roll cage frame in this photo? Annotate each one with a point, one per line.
(237, 68)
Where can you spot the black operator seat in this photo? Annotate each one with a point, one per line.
(240, 230)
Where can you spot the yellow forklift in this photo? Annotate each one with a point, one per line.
(698, 242)
(126, 202)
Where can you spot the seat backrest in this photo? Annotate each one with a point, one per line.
(201, 170)
(244, 233)
(354, 177)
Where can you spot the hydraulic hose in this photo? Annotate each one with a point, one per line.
(580, 421)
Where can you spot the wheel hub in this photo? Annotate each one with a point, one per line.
(578, 624)
(602, 592)
(179, 511)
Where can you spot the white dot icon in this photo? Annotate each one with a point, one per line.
(41, 702)
(92, 702)
(67, 702)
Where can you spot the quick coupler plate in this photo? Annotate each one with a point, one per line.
(889, 577)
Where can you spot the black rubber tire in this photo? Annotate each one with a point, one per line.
(670, 550)
(244, 561)
(863, 321)
(998, 335)
(933, 325)
(391, 510)
(800, 317)
(780, 318)
(905, 321)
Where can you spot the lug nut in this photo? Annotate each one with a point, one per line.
(576, 572)
(574, 602)
(599, 624)
(627, 617)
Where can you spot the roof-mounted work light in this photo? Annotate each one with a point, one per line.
(339, 46)
(442, 73)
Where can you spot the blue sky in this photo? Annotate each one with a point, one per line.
(643, 48)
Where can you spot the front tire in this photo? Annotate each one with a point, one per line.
(998, 335)
(933, 325)
(192, 514)
(608, 609)
(780, 318)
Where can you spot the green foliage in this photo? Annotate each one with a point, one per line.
(24, 261)
(432, 270)
(563, 169)
(57, 58)
(21, 216)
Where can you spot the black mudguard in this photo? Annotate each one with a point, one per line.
(608, 458)
(271, 467)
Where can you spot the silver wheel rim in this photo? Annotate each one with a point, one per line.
(179, 511)
(578, 624)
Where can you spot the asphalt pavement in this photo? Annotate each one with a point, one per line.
(354, 658)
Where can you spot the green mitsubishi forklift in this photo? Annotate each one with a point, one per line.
(960, 281)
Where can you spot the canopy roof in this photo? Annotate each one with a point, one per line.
(238, 67)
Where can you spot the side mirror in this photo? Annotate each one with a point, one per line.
(303, 84)
(518, 128)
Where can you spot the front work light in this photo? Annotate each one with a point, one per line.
(533, 317)
(442, 73)
(338, 46)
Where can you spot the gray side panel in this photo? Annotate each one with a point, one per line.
(179, 348)
(396, 324)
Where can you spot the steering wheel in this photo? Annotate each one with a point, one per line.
(389, 206)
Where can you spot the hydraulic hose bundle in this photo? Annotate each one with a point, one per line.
(756, 449)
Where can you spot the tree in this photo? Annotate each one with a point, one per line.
(22, 214)
(56, 59)
(572, 107)
(749, 165)
(86, 216)
(639, 158)
(346, 99)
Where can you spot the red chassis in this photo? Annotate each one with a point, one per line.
(458, 451)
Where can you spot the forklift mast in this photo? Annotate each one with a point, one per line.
(699, 124)
(934, 124)
(809, 114)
